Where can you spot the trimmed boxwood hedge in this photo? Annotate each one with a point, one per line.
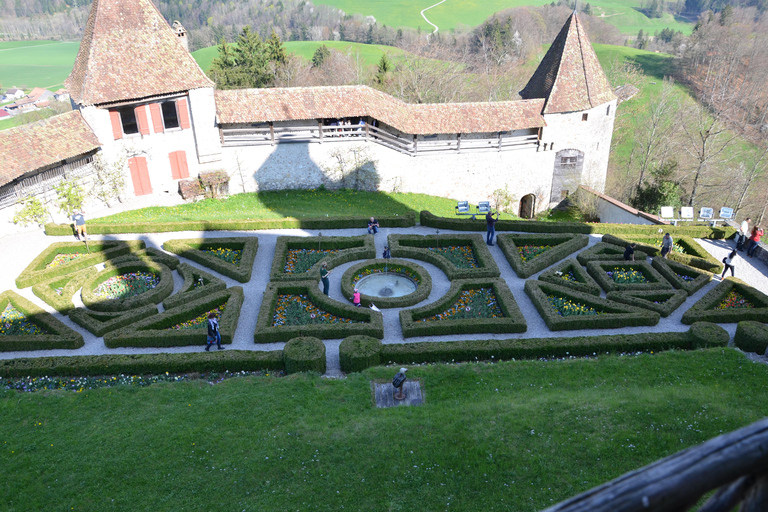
(751, 337)
(36, 271)
(671, 270)
(584, 284)
(191, 248)
(598, 269)
(703, 310)
(350, 248)
(532, 226)
(422, 291)
(602, 251)
(614, 314)
(564, 244)
(69, 285)
(372, 321)
(696, 255)
(188, 293)
(356, 353)
(305, 354)
(94, 227)
(60, 336)
(512, 321)
(142, 364)
(700, 335)
(156, 331)
(154, 296)
(416, 247)
(151, 254)
(99, 323)
(669, 300)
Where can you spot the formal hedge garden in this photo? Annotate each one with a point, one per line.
(25, 326)
(470, 306)
(663, 302)
(59, 291)
(99, 322)
(458, 256)
(230, 256)
(127, 285)
(731, 301)
(408, 269)
(531, 253)
(300, 258)
(752, 336)
(197, 284)
(602, 251)
(681, 276)
(570, 274)
(685, 250)
(626, 275)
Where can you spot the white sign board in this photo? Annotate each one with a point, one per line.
(726, 213)
(706, 213)
(667, 212)
(686, 212)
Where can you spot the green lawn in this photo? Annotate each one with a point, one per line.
(28, 64)
(511, 436)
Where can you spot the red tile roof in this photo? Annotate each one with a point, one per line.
(569, 76)
(36, 145)
(129, 52)
(305, 103)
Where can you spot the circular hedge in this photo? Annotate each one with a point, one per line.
(356, 353)
(305, 354)
(751, 337)
(708, 334)
(417, 273)
(156, 295)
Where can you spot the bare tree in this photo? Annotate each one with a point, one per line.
(656, 127)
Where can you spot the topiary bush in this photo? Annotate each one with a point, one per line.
(652, 279)
(570, 274)
(663, 302)
(602, 251)
(706, 334)
(722, 304)
(99, 323)
(343, 249)
(59, 291)
(305, 354)
(751, 337)
(479, 264)
(681, 276)
(150, 254)
(695, 255)
(405, 268)
(197, 250)
(561, 245)
(356, 353)
(152, 296)
(197, 284)
(52, 334)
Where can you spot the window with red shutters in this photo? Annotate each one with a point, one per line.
(139, 175)
(117, 126)
(157, 118)
(141, 118)
(183, 113)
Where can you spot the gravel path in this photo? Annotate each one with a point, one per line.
(19, 249)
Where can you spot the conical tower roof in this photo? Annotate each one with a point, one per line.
(129, 52)
(569, 77)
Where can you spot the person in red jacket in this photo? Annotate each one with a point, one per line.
(754, 240)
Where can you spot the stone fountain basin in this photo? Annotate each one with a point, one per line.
(386, 284)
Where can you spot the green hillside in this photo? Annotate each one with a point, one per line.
(28, 64)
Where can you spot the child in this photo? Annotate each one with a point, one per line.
(214, 336)
(356, 298)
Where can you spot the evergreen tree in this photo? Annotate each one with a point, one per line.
(247, 64)
(320, 55)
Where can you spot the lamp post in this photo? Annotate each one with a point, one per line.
(319, 240)
(437, 232)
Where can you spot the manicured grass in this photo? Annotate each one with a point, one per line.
(510, 436)
(290, 203)
(28, 64)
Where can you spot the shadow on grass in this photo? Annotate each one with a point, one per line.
(654, 65)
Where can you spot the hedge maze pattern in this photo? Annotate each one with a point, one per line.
(53, 333)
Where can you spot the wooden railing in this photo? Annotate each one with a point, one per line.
(734, 464)
(271, 135)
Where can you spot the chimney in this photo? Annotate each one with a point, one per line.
(181, 34)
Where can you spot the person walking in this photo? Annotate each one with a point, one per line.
(754, 240)
(324, 273)
(629, 252)
(78, 218)
(666, 245)
(491, 223)
(214, 336)
(743, 234)
(729, 262)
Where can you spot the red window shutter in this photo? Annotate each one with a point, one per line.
(141, 118)
(179, 168)
(157, 117)
(140, 176)
(181, 106)
(117, 125)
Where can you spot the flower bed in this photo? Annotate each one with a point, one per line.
(274, 323)
(628, 275)
(300, 258)
(492, 308)
(531, 253)
(197, 284)
(571, 274)
(709, 308)
(24, 326)
(608, 314)
(459, 256)
(124, 293)
(126, 285)
(602, 251)
(161, 330)
(681, 276)
(567, 307)
(230, 256)
(691, 253)
(663, 302)
(411, 270)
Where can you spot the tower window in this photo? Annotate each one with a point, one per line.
(608, 110)
(170, 115)
(584, 117)
(128, 120)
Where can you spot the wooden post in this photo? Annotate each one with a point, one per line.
(320, 130)
(272, 132)
(367, 132)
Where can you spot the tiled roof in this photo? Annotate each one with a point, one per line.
(129, 52)
(569, 76)
(36, 145)
(305, 103)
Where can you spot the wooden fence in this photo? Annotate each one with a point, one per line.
(43, 182)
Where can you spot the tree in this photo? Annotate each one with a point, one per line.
(33, 210)
(251, 63)
(655, 127)
(70, 196)
(588, 9)
(320, 55)
(382, 68)
(661, 191)
(109, 181)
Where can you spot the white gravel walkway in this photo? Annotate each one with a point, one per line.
(18, 250)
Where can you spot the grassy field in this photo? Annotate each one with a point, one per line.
(511, 436)
(28, 64)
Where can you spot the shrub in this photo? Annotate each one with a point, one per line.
(663, 302)
(751, 337)
(695, 255)
(306, 354)
(602, 251)
(350, 248)
(150, 254)
(413, 324)
(157, 331)
(655, 281)
(100, 323)
(424, 282)
(672, 272)
(142, 364)
(584, 282)
(369, 323)
(153, 296)
(356, 353)
(612, 314)
(563, 245)
(188, 292)
(417, 247)
(194, 249)
(705, 310)
(58, 335)
(706, 334)
(59, 291)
